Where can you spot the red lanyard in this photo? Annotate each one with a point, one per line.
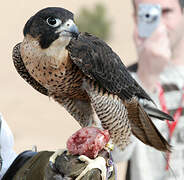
(176, 116)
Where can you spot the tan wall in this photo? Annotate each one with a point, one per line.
(34, 118)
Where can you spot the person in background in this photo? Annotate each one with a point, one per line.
(7, 153)
(160, 71)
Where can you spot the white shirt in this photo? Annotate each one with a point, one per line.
(6, 143)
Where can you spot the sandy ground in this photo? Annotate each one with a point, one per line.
(34, 118)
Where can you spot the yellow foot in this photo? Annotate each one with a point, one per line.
(109, 146)
(98, 163)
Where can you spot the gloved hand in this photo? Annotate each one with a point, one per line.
(66, 166)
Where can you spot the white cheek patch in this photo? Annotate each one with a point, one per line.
(62, 41)
(57, 47)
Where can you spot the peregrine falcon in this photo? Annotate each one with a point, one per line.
(83, 74)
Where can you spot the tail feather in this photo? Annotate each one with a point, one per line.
(144, 129)
(156, 113)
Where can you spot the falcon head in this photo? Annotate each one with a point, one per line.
(51, 25)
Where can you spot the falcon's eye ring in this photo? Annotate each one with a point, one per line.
(54, 22)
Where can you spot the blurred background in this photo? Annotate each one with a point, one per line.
(34, 118)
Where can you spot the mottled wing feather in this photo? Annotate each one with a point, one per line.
(21, 69)
(97, 60)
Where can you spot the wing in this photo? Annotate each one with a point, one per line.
(21, 69)
(97, 60)
(121, 117)
(156, 113)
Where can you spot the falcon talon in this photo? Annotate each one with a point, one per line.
(109, 146)
(66, 152)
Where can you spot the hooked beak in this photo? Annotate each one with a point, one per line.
(74, 31)
(68, 29)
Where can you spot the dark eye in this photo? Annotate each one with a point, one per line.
(54, 22)
(166, 10)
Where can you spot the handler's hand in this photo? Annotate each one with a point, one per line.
(156, 46)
